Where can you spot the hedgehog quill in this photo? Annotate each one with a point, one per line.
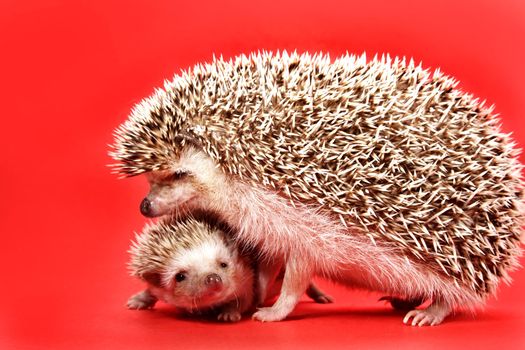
(375, 174)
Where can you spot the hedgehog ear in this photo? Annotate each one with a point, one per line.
(185, 139)
(152, 278)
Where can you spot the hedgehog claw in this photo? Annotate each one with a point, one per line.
(431, 316)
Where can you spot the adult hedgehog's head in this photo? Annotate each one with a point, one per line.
(187, 135)
(163, 139)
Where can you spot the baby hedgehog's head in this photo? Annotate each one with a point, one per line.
(190, 263)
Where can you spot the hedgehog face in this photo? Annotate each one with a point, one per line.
(203, 276)
(188, 183)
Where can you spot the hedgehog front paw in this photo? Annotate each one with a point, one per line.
(269, 314)
(431, 316)
(141, 301)
(229, 316)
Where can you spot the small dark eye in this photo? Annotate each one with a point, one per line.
(224, 265)
(180, 277)
(179, 174)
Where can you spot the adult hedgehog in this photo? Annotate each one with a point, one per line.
(377, 175)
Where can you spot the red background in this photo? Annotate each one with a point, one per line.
(71, 71)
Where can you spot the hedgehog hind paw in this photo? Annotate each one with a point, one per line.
(431, 316)
(323, 299)
(318, 295)
(402, 304)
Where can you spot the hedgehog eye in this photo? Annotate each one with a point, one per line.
(178, 174)
(224, 265)
(180, 277)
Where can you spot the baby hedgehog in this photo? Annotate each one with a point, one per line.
(375, 174)
(193, 264)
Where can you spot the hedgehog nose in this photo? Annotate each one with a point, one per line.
(213, 280)
(145, 207)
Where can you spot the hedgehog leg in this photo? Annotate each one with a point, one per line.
(142, 300)
(296, 280)
(267, 275)
(431, 316)
(403, 304)
(318, 295)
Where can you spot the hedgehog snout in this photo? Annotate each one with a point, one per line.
(155, 204)
(164, 198)
(213, 281)
(146, 208)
